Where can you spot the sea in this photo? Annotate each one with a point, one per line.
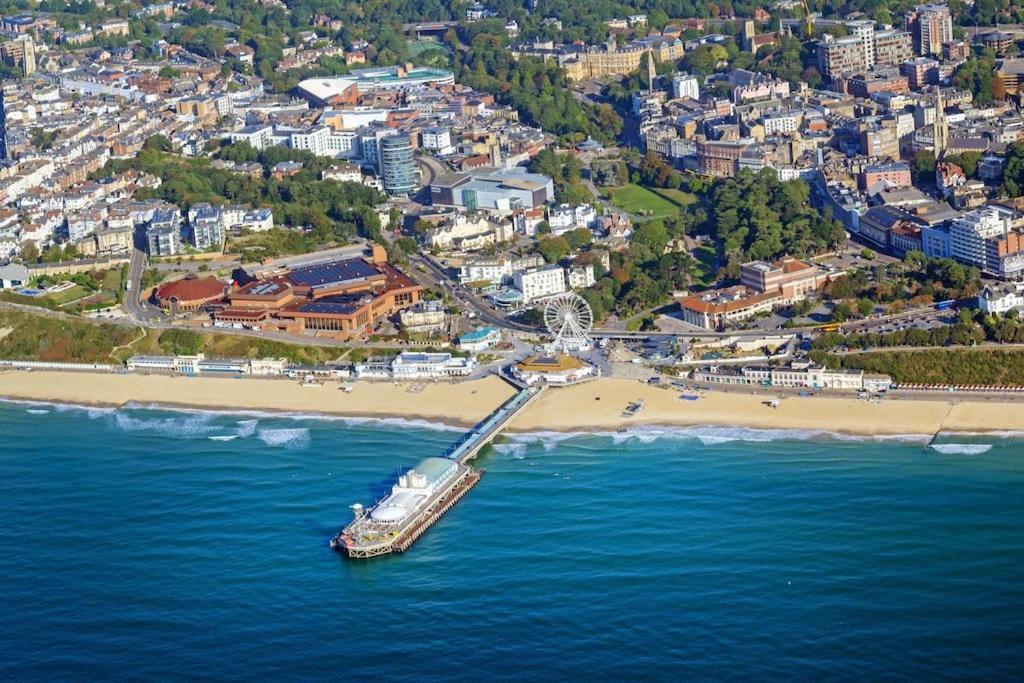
(152, 544)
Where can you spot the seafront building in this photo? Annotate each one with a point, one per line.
(199, 364)
(798, 374)
(764, 287)
(410, 365)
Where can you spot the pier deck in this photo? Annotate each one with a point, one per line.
(364, 538)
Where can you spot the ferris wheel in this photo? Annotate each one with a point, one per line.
(569, 319)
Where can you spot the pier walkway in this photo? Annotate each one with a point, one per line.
(366, 537)
(470, 445)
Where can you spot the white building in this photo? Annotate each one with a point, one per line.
(968, 233)
(685, 85)
(480, 340)
(497, 270)
(1002, 298)
(540, 282)
(437, 140)
(783, 122)
(410, 365)
(580, 277)
(466, 234)
(566, 217)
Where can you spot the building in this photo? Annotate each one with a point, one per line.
(491, 189)
(480, 340)
(397, 165)
(540, 282)
(1010, 73)
(163, 238)
(763, 287)
(1000, 42)
(20, 52)
(841, 55)
(464, 233)
(791, 278)
(556, 370)
(437, 140)
(685, 86)
(410, 365)
(892, 48)
(328, 91)
(920, 71)
(206, 226)
(13, 276)
(896, 174)
(188, 294)
(972, 235)
(1001, 299)
(930, 27)
(797, 374)
(424, 317)
(717, 308)
(881, 140)
(583, 63)
(337, 299)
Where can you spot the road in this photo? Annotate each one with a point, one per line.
(141, 312)
(484, 312)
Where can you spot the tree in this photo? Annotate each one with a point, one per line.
(578, 238)
(923, 166)
(553, 249)
(841, 312)
(532, 316)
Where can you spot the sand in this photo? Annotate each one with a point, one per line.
(593, 406)
(462, 404)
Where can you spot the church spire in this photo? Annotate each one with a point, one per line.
(651, 73)
(941, 125)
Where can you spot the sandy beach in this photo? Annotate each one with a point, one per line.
(594, 406)
(457, 404)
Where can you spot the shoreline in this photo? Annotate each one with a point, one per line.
(593, 407)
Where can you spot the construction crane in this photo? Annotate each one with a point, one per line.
(808, 21)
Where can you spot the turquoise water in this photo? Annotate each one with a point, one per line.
(132, 545)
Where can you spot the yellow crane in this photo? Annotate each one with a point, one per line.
(808, 21)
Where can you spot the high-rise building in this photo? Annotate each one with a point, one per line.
(841, 55)
(892, 48)
(397, 167)
(864, 31)
(930, 26)
(967, 235)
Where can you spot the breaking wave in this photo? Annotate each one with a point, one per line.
(285, 438)
(709, 435)
(192, 425)
(515, 450)
(961, 448)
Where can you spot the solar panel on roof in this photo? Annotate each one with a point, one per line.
(330, 273)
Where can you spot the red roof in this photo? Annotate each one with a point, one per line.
(191, 289)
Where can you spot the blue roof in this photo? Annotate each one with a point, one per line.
(332, 273)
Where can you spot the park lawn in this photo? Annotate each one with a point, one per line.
(680, 198)
(639, 201)
(707, 262)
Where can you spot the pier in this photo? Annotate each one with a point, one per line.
(425, 493)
